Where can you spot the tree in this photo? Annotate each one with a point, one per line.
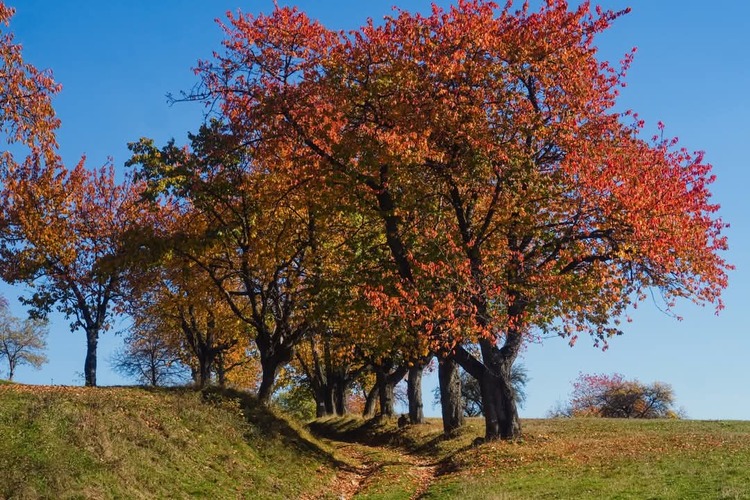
(60, 230)
(149, 359)
(601, 395)
(247, 230)
(22, 342)
(174, 306)
(65, 236)
(511, 196)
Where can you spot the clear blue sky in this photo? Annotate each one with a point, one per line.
(116, 61)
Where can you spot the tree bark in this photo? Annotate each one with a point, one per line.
(385, 394)
(270, 365)
(498, 397)
(450, 395)
(369, 410)
(268, 377)
(204, 370)
(339, 389)
(89, 366)
(414, 393)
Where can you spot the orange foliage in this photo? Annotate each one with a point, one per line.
(512, 195)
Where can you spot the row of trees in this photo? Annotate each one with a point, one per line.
(360, 203)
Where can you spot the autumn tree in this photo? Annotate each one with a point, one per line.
(511, 196)
(22, 342)
(175, 307)
(65, 236)
(329, 367)
(249, 232)
(613, 396)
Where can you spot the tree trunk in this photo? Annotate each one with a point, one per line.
(329, 401)
(89, 366)
(369, 410)
(414, 393)
(385, 394)
(320, 401)
(450, 395)
(499, 406)
(273, 355)
(339, 388)
(269, 367)
(204, 371)
(498, 399)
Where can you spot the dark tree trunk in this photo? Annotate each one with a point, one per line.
(204, 371)
(450, 395)
(385, 394)
(325, 404)
(339, 388)
(270, 362)
(498, 397)
(329, 401)
(89, 366)
(320, 401)
(499, 406)
(414, 393)
(369, 410)
(153, 376)
(268, 377)
(221, 372)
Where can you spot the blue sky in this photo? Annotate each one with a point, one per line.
(117, 60)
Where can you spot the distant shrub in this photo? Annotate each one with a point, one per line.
(601, 395)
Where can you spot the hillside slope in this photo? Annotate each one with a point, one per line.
(63, 442)
(73, 442)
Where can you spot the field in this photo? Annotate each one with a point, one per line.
(58, 442)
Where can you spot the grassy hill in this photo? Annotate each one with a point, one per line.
(72, 442)
(65, 442)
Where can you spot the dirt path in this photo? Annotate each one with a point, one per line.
(382, 469)
(426, 472)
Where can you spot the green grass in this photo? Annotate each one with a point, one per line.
(62, 442)
(580, 458)
(58, 442)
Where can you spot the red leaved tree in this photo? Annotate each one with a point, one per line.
(510, 195)
(602, 395)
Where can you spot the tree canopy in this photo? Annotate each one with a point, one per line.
(369, 200)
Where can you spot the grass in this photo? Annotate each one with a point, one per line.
(60, 442)
(64, 442)
(580, 458)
